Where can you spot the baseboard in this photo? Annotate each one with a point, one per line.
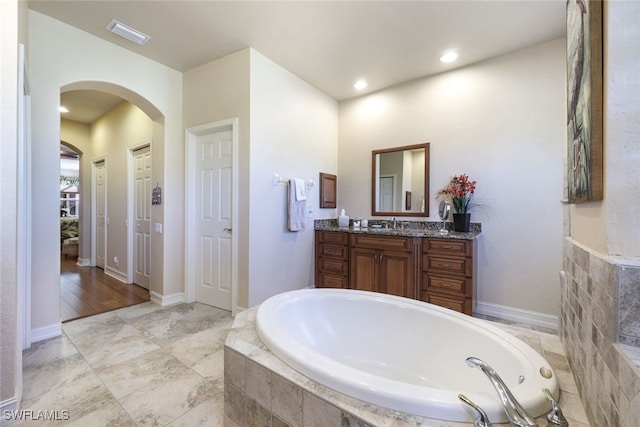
(511, 314)
(166, 300)
(84, 262)
(46, 332)
(237, 309)
(118, 275)
(8, 407)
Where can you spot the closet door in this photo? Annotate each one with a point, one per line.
(100, 212)
(142, 215)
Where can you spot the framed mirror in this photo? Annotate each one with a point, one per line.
(400, 181)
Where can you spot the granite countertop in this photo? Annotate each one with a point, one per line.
(404, 229)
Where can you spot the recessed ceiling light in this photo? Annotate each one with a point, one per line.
(63, 109)
(449, 57)
(127, 32)
(360, 84)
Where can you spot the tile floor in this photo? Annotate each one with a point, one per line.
(142, 365)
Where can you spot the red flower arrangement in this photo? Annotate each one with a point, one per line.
(461, 190)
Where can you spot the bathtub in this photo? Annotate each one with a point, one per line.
(401, 354)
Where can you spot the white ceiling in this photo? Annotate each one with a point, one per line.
(86, 106)
(329, 44)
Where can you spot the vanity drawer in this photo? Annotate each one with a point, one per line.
(381, 242)
(459, 305)
(335, 266)
(335, 251)
(448, 246)
(332, 281)
(334, 237)
(462, 266)
(458, 286)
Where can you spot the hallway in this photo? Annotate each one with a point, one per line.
(85, 291)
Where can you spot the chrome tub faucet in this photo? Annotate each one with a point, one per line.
(512, 408)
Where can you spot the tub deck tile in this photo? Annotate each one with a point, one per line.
(297, 401)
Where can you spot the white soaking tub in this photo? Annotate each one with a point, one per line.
(400, 353)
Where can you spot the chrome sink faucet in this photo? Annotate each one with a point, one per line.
(394, 223)
(512, 408)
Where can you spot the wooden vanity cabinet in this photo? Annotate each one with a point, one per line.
(440, 271)
(448, 273)
(332, 259)
(383, 264)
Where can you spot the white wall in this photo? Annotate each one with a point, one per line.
(60, 56)
(294, 132)
(501, 122)
(622, 129)
(612, 226)
(9, 375)
(215, 91)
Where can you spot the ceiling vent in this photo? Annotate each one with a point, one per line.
(127, 32)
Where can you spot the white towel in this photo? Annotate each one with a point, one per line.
(295, 209)
(301, 191)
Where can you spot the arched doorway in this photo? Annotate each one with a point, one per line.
(110, 129)
(70, 202)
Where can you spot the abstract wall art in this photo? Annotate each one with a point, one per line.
(584, 101)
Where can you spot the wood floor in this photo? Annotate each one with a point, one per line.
(85, 291)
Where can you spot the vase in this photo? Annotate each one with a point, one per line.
(461, 221)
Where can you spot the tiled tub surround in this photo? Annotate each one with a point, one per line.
(261, 390)
(600, 331)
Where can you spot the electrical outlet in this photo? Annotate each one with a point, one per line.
(116, 260)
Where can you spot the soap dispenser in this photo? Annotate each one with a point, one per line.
(343, 219)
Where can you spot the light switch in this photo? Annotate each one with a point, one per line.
(158, 227)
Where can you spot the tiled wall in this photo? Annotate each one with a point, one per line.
(256, 396)
(629, 306)
(600, 316)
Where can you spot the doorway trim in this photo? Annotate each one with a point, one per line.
(191, 135)
(130, 205)
(24, 206)
(94, 207)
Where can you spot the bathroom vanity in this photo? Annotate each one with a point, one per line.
(417, 263)
(448, 273)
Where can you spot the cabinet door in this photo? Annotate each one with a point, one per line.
(396, 273)
(364, 269)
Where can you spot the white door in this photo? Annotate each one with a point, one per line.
(214, 191)
(386, 194)
(142, 215)
(100, 212)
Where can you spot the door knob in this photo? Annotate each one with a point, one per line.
(227, 230)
